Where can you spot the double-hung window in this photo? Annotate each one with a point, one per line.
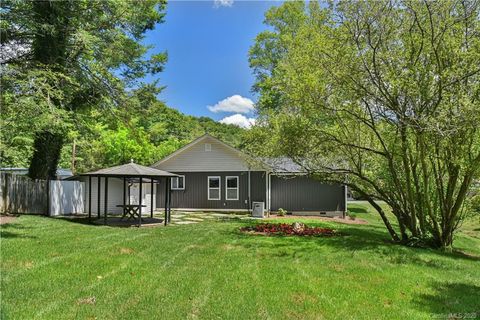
(231, 188)
(178, 183)
(214, 188)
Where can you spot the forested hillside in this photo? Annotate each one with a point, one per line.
(144, 130)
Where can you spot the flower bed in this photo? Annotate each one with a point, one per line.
(297, 229)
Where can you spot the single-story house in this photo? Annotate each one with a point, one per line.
(215, 176)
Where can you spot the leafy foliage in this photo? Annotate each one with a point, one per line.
(382, 96)
(71, 75)
(60, 58)
(145, 138)
(101, 139)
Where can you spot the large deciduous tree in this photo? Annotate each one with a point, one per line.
(383, 96)
(61, 57)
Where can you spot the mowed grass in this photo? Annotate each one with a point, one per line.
(59, 269)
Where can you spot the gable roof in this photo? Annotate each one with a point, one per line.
(242, 156)
(194, 142)
(279, 165)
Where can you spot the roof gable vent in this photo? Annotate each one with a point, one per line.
(208, 147)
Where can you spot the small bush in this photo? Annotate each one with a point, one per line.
(475, 203)
(282, 212)
(351, 216)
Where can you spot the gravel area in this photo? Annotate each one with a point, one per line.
(6, 219)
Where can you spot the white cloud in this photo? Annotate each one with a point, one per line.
(239, 120)
(235, 103)
(222, 3)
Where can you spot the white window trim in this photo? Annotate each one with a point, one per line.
(171, 183)
(219, 187)
(237, 188)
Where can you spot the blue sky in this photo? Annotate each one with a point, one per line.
(207, 44)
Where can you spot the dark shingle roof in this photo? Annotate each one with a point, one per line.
(283, 164)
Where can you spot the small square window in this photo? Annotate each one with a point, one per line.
(232, 182)
(178, 183)
(208, 147)
(214, 194)
(214, 182)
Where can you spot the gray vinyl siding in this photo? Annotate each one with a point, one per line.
(195, 195)
(301, 193)
(194, 158)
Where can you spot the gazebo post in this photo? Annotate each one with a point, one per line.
(140, 204)
(166, 199)
(124, 191)
(151, 197)
(106, 202)
(128, 193)
(169, 200)
(124, 210)
(89, 197)
(99, 195)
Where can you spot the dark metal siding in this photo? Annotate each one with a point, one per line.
(305, 194)
(195, 195)
(258, 189)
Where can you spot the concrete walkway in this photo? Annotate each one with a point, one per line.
(184, 217)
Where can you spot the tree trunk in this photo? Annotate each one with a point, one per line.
(49, 48)
(46, 155)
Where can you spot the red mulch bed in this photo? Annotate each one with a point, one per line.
(329, 219)
(289, 230)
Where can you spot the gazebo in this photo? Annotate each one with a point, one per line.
(130, 172)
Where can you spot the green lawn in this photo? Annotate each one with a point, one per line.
(59, 269)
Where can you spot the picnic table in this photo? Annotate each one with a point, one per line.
(131, 211)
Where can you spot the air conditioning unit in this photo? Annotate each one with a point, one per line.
(258, 209)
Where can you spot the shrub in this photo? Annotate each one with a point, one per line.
(351, 216)
(282, 212)
(475, 203)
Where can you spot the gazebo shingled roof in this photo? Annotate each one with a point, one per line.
(130, 170)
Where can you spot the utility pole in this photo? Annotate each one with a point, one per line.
(74, 149)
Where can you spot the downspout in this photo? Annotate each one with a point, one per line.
(268, 182)
(249, 193)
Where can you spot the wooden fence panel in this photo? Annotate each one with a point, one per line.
(20, 194)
